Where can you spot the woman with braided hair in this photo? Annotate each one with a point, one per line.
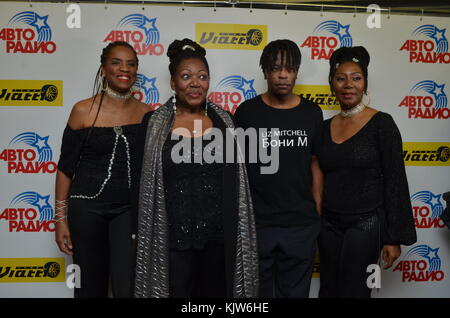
(366, 203)
(94, 177)
(196, 231)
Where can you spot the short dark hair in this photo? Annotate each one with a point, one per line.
(182, 50)
(291, 55)
(356, 54)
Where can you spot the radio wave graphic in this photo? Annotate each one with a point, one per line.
(432, 200)
(436, 34)
(430, 254)
(35, 199)
(337, 29)
(240, 83)
(38, 22)
(148, 86)
(142, 22)
(433, 88)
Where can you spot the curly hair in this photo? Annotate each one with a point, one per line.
(356, 54)
(180, 50)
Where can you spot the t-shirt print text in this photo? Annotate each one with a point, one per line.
(284, 138)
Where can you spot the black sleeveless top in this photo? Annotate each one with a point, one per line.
(86, 161)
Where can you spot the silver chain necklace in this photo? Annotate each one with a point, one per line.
(353, 111)
(119, 133)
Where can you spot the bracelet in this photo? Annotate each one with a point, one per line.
(60, 218)
(61, 210)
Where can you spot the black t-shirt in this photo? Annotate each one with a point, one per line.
(283, 198)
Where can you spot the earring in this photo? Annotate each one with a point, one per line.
(174, 101)
(104, 84)
(206, 108)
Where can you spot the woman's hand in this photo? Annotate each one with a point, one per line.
(390, 254)
(62, 237)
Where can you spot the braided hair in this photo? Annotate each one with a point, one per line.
(180, 50)
(290, 55)
(356, 54)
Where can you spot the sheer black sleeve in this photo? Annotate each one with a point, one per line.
(400, 228)
(71, 146)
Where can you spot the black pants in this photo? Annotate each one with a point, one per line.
(286, 256)
(198, 272)
(103, 248)
(347, 245)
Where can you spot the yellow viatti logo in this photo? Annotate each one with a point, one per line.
(231, 36)
(32, 270)
(31, 93)
(319, 94)
(426, 153)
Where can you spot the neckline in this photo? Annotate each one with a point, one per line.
(280, 109)
(104, 127)
(208, 132)
(355, 134)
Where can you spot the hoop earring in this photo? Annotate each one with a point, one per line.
(103, 83)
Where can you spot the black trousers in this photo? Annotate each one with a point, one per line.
(347, 245)
(103, 248)
(286, 257)
(198, 272)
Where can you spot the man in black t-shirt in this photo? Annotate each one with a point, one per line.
(287, 203)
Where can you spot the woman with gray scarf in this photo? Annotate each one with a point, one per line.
(195, 230)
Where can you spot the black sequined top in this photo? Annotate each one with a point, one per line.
(194, 193)
(367, 171)
(88, 161)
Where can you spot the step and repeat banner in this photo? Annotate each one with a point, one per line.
(50, 53)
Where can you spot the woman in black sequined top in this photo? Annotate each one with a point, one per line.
(366, 202)
(195, 238)
(93, 181)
